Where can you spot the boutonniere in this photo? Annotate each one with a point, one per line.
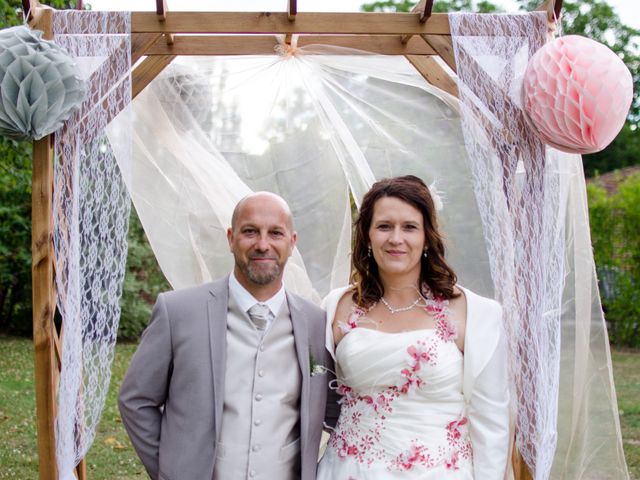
(315, 368)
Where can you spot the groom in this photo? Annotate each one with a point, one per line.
(223, 384)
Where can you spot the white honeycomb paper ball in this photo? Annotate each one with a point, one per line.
(39, 84)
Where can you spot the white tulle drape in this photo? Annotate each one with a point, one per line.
(91, 215)
(318, 124)
(536, 228)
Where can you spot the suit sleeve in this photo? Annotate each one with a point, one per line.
(144, 388)
(489, 414)
(332, 411)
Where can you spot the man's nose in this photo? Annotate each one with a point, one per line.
(262, 243)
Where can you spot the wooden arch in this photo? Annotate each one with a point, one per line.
(161, 36)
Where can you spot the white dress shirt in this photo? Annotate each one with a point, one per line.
(245, 300)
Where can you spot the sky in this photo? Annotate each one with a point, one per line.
(628, 10)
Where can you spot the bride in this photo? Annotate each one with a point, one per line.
(421, 361)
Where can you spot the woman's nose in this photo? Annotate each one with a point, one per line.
(396, 235)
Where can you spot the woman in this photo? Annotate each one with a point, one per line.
(420, 360)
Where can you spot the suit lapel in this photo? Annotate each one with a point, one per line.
(301, 338)
(217, 311)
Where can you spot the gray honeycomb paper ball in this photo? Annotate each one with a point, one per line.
(40, 86)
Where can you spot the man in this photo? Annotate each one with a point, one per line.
(224, 383)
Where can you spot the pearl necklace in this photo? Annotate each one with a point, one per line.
(399, 309)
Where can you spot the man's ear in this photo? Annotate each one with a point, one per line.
(294, 238)
(230, 238)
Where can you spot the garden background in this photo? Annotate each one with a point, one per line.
(614, 210)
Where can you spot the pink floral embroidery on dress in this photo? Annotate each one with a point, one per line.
(363, 415)
(459, 447)
(353, 320)
(439, 308)
(423, 352)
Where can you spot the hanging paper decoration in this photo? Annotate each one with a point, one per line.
(577, 93)
(39, 85)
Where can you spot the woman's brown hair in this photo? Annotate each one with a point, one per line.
(434, 270)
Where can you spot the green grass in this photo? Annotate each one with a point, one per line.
(112, 457)
(626, 372)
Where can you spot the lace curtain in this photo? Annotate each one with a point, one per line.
(91, 214)
(535, 221)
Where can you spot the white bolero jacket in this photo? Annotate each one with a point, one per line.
(485, 381)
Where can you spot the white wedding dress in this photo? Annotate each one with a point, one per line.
(404, 412)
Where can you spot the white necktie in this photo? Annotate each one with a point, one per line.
(259, 315)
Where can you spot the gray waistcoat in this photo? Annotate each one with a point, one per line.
(260, 432)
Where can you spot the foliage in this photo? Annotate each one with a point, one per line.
(595, 19)
(15, 213)
(143, 279)
(623, 152)
(615, 231)
(441, 6)
(142, 283)
(15, 236)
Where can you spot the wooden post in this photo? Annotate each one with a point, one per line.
(47, 353)
(44, 304)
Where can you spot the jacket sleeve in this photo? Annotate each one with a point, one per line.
(488, 399)
(144, 388)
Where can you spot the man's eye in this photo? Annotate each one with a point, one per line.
(277, 233)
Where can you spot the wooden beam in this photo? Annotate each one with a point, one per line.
(425, 13)
(44, 304)
(161, 10)
(433, 73)
(520, 469)
(141, 43)
(147, 70)
(274, 23)
(292, 10)
(553, 9)
(264, 45)
(443, 45)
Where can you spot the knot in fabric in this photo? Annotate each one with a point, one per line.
(259, 315)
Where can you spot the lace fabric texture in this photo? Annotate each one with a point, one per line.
(531, 200)
(91, 215)
(318, 125)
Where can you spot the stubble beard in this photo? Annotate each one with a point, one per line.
(260, 275)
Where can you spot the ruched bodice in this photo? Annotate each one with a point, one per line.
(402, 408)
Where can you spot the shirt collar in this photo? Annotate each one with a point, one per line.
(246, 300)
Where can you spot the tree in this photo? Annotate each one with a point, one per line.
(15, 213)
(439, 6)
(595, 19)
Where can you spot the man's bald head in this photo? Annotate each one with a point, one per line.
(261, 239)
(264, 198)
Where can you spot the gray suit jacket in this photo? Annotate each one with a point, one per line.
(171, 399)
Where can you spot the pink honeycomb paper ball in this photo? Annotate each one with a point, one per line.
(577, 93)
